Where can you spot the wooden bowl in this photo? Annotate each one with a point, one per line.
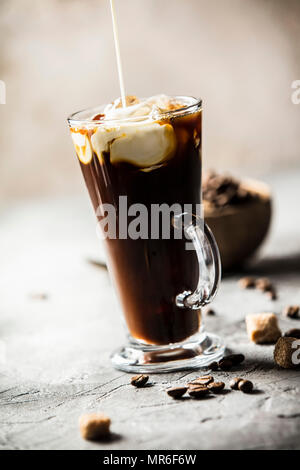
(240, 230)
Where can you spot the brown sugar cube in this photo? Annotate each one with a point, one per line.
(287, 353)
(94, 426)
(263, 328)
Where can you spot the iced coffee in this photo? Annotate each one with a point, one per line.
(150, 152)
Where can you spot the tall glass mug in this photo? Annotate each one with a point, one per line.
(143, 173)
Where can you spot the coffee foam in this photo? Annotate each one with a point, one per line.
(136, 134)
(145, 144)
(150, 108)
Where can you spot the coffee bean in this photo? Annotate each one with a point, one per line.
(293, 333)
(245, 386)
(247, 282)
(214, 366)
(264, 284)
(225, 364)
(205, 380)
(176, 392)
(271, 294)
(39, 296)
(216, 387)
(234, 383)
(198, 391)
(292, 311)
(139, 380)
(210, 312)
(236, 359)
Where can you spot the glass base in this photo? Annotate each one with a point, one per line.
(199, 352)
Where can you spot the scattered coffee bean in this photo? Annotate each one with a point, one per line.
(264, 284)
(234, 383)
(205, 380)
(198, 391)
(210, 312)
(247, 282)
(39, 296)
(216, 387)
(292, 311)
(271, 294)
(293, 333)
(94, 426)
(177, 392)
(245, 386)
(213, 366)
(236, 359)
(97, 263)
(225, 364)
(139, 380)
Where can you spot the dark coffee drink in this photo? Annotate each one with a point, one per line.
(152, 155)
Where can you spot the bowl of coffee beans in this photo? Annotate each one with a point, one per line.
(239, 215)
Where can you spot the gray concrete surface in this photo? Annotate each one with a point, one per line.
(54, 353)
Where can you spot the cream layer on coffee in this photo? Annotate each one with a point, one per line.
(137, 134)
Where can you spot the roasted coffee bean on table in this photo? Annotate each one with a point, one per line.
(247, 282)
(216, 387)
(176, 392)
(139, 381)
(293, 333)
(236, 359)
(292, 311)
(225, 364)
(234, 383)
(213, 366)
(198, 391)
(210, 312)
(245, 386)
(271, 294)
(264, 284)
(204, 380)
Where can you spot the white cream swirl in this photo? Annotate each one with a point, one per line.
(134, 134)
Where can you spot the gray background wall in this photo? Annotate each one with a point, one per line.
(57, 56)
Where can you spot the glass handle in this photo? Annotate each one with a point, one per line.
(208, 258)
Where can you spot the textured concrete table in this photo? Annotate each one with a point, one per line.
(54, 351)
